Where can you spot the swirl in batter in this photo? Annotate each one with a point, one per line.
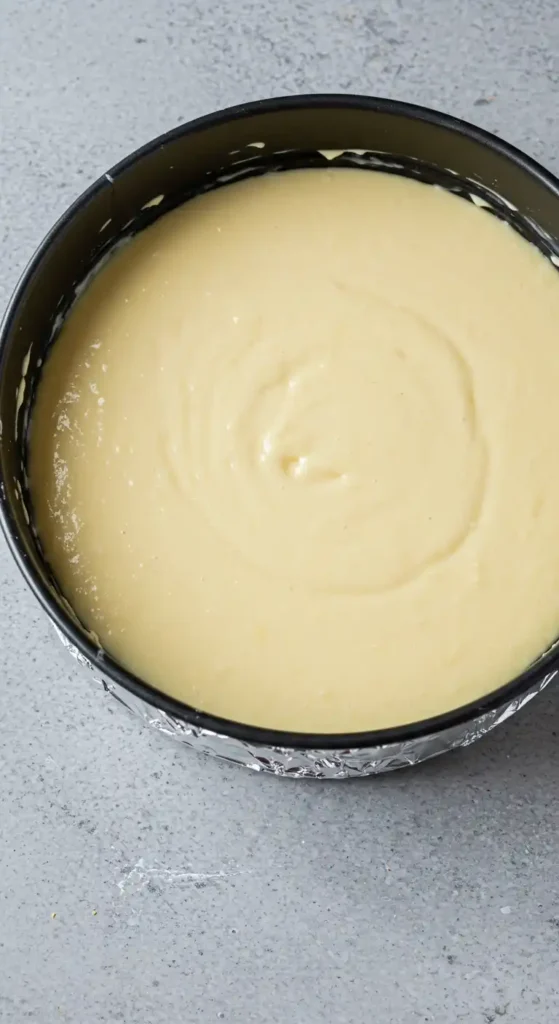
(291, 455)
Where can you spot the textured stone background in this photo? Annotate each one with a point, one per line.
(185, 890)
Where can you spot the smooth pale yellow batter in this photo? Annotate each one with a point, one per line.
(294, 455)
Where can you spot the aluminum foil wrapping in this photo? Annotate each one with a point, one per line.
(313, 764)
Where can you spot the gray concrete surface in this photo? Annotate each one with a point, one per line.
(185, 890)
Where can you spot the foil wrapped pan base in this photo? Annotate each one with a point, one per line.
(292, 762)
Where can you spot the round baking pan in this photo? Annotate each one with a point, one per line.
(265, 136)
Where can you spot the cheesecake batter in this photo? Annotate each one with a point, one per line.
(294, 454)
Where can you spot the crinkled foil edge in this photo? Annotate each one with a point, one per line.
(312, 764)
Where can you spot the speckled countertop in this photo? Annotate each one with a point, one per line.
(185, 890)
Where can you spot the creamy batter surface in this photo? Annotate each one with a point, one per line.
(294, 455)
